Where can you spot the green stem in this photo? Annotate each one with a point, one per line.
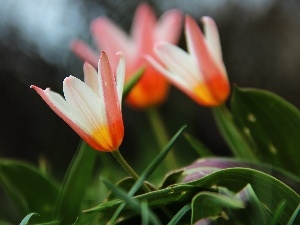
(128, 168)
(240, 145)
(161, 135)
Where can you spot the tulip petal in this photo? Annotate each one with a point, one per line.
(60, 107)
(213, 41)
(91, 77)
(142, 28)
(178, 61)
(168, 27)
(197, 47)
(85, 52)
(216, 81)
(87, 108)
(111, 39)
(120, 76)
(174, 78)
(111, 99)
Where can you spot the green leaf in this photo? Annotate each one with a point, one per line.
(133, 81)
(268, 190)
(206, 166)
(240, 146)
(28, 188)
(171, 178)
(27, 218)
(241, 208)
(272, 123)
(278, 212)
(198, 146)
(75, 183)
(254, 212)
(209, 204)
(160, 197)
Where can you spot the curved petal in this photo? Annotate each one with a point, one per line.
(112, 105)
(196, 90)
(86, 108)
(213, 41)
(171, 76)
(142, 29)
(60, 107)
(84, 52)
(213, 76)
(168, 27)
(120, 76)
(111, 39)
(178, 61)
(91, 77)
(198, 49)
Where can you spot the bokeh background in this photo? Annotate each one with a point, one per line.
(261, 49)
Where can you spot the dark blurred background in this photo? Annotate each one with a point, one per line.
(261, 48)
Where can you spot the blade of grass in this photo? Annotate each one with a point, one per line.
(27, 218)
(278, 212)
(180, 214)
(294, 216)
(150, 168)
(132, 81)
(131, 202)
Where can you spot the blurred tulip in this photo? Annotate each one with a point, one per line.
(201, 73)
(92, 108)
(152, 89)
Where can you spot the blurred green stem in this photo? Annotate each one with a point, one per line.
(240, 146)
(128, 168)
(161, 135)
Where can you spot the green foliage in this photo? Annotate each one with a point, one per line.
(267, 192)
(272, 123)
(27, 218)
(236, 140)
(28, 188)
(260, 185)
(75, 183)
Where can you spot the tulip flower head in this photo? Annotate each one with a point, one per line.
(152, 88)
(92, 108)
(200, 73)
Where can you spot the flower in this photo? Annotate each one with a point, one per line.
(201, 73)
(92, 108)
(152, 88)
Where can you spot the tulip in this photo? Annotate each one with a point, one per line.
(92, 108)
(152, 88)
(200, 72)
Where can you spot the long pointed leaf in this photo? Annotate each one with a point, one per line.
(75, 183)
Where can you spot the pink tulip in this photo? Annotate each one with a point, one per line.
(152, 89)
(92, 108)
(200, 73)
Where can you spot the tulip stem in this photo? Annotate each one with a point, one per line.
(161, 135)
(128, 168)
(240, 145)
